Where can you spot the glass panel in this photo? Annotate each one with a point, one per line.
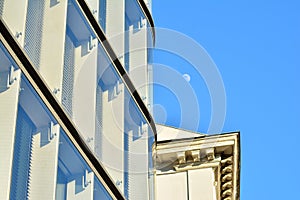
(21, 156)
(138, 43)
(99, 9)
(102, 14)
(77, 69)
(134, 15)
(100, 105)
(74, 178)
(45, 162)
(122, 129)
(138, 142)
(99, 191)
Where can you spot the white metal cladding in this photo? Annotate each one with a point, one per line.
(115, 26)
(39, 178)
(78, 192)
(113, 108)
(14, 13)
(112, 135)
(51, 53)
(94, 7)
(84, 90)
(44, 162)
(138, 70)
(71, 75)
(138, 168)
(9, 97)
(137, 144)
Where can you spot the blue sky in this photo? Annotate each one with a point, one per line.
(256, 48)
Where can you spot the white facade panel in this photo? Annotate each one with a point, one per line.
(94, 6)
(8, 116)
(14, 14)
(202, 184)
(138, 167)
(112, 139)
(52, 44)
(138, 69)
(43, 164)
(115, 25)
(79, 189)
(84, 92)
(172, 186)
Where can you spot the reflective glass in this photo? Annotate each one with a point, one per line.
(64, 49)
(74, 178)
(101, 106)
(45, 163)
(138, 53)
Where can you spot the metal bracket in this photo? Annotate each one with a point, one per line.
(51, 131)
(142, 129)
(117, 89)
(94, 11)
(89, 139)
(142, 23)
(118, 183)
(11, 78)
(85, 180)
(56, 90)
(54, 2)
(18, 34)
(91, 44)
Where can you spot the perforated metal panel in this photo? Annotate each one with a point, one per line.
(34, 30)
(1, 7)
(22, 155)
(126, 165)
(99, 122)
(68, 76)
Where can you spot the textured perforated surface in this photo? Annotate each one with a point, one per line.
(33, 31)
(68, 76)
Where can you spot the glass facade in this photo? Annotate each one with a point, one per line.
(43, 155)
(75, 127)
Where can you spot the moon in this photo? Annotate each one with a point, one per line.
(186, 77)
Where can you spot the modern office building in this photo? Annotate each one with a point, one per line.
(76, 101)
